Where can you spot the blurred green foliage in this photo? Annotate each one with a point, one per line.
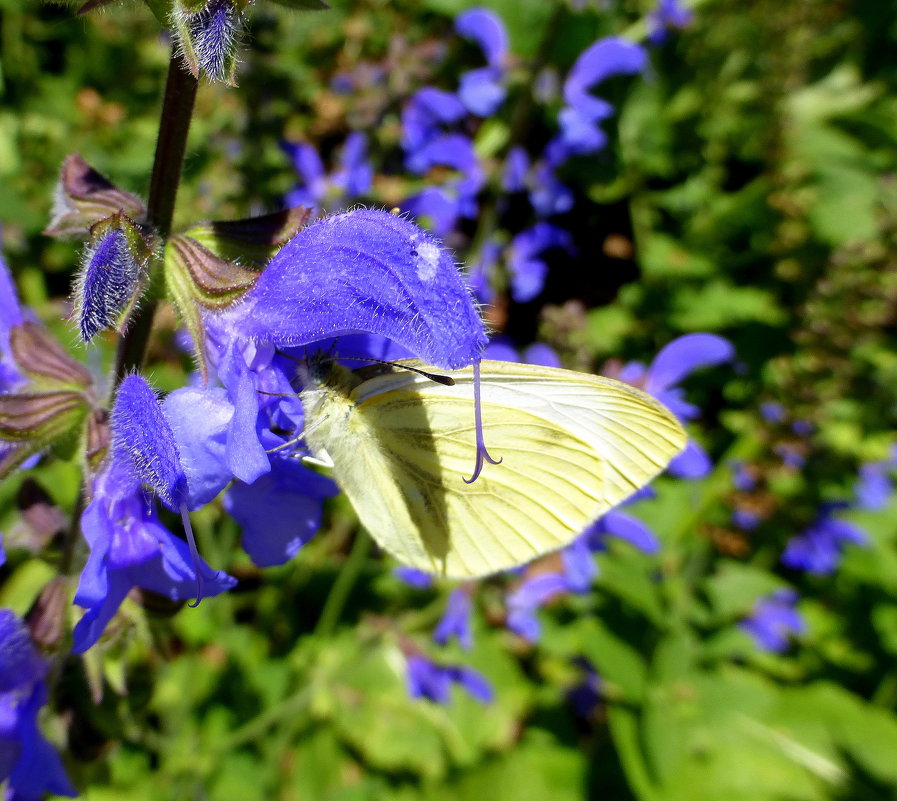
(749, 190)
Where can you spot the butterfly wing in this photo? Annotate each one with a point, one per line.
(572, 447)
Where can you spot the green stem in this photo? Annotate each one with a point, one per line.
(342, 587)
(171, 145)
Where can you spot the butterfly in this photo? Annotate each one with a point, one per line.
(571, 446)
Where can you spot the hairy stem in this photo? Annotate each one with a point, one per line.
(174, 124)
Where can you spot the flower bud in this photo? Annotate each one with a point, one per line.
(83, 197)
(207, 34)
(113, 269)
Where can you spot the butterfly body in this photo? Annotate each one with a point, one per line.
(571, 446)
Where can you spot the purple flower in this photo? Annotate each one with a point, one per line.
(623, 526)
(745, 519)
(528, 598)
(481, 90)
(362, 271)
(10, 316)
(818, 549)
(772, 412)
(280, 511)
(673, 364)
(874, 488)
(455, 621)
(129, 547)
(527, 270)
(548, 195)
(351, 179)
(516, 168)
(666, 15)
(413, 577)
(445, 204)
(742, 478)
(586, 695)
(428, 679)
(427, 115)
(579, 565)
(774, 620)
(27, 760)
(579, 132)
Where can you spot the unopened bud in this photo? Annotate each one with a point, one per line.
(112, 275)
(207, 36)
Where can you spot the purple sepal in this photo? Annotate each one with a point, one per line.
(143, 437)
(364, 270)
(279, 512)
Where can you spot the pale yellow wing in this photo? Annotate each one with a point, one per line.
(572, 446)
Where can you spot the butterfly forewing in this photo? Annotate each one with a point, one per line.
(572, 446)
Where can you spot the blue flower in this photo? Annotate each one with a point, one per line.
(523, 603)
(455, 621)
(774, 620)
(280, 511)
(456, 198)
(481, 90)
(585, 696)
(548, 195)
(579, 119)
(818, 549)
(427, 115)
(362, 271)
(527, 270)
(27, 760)
(673, 364)
(413, 577)
(129, 547)
(666, 15)
(428, 679)
(351, 179)
(874, 487)
(10, 316)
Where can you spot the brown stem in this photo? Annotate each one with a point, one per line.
(174, 124)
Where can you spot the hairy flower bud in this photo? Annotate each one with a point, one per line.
(83, 197)
(207, 34)
(112, 274)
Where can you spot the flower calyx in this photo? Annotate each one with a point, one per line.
(83, 197)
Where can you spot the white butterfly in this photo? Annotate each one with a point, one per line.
(571, 446)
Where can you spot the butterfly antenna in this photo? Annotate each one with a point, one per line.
(445, 380)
